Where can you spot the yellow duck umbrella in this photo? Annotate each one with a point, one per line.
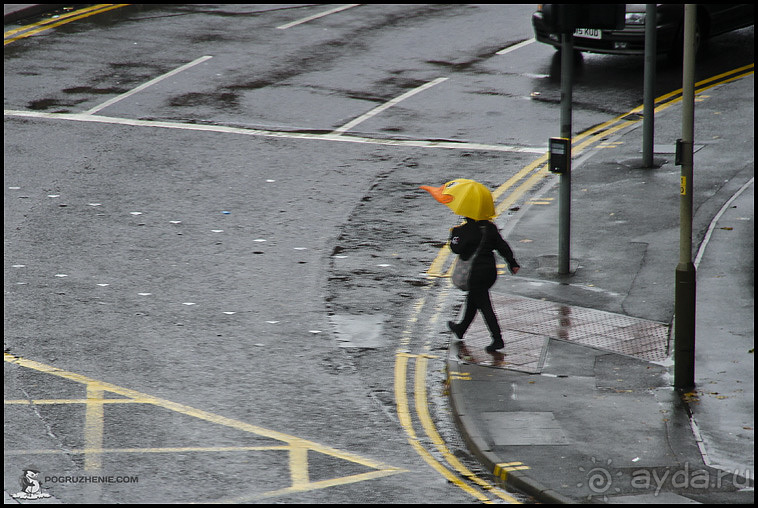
(465, 197)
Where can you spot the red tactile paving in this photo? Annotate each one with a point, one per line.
(528, 325)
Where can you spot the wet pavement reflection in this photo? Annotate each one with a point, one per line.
(528, 326)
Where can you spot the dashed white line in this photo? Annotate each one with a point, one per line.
(315, 16)
(386, 105)
(153, 81)
(515, 47)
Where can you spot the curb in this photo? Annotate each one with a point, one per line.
(506, 477)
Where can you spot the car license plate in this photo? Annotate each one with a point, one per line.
(588, 33)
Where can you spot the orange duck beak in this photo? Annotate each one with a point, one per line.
(437, 193)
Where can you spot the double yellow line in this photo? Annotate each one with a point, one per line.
(520, 183)
(527, 177)
(47, 24)
(457, 474)
(94, 431)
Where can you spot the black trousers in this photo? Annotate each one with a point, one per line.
(478, 299)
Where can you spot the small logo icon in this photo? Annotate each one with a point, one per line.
(599, 478)
(31, 488)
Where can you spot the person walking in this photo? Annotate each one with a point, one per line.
(479, 237)
(465, 239)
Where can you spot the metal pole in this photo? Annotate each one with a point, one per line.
(564, 195)
(684, 340)
(648, 119)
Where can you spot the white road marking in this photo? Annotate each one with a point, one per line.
(315, 16)
(386, 105)
(459, 145)
(145, 85)
(515, 47)
(715, 220)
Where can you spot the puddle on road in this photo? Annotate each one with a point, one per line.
(365, 331)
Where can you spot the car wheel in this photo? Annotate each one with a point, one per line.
(676, 52)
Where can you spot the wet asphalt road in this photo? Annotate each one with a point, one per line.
(212, 276)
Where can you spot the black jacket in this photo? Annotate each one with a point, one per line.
(464, 240)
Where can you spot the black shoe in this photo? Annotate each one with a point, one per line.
(496, 344)
(454, 328)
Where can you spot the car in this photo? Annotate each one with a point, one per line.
(712, 20)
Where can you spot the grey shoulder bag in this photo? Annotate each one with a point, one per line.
(462, 269)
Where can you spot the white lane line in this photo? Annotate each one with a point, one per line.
(515, 47)
(315, 16)
(114, 100)
(388, 104)
(462, 145)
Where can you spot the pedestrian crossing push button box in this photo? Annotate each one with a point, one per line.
(559, 155)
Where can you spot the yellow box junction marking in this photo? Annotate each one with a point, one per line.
(94, 431)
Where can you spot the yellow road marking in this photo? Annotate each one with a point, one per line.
(299, 466)
(501, 470)
(518, 176)
(47, 24)
(521, 190)
(94, 431)
(39, 402)
(93, 427)
(422, 410)
(592, 135)
(187, 410)
(531, 173)
(406, 337)
(404, 415)
(294, 489)
(52, 20)
(299, 476)
(435, 269)
(172, 449)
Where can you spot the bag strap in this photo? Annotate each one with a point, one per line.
(481, 242)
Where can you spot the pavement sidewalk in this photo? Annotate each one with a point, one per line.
(581, 407)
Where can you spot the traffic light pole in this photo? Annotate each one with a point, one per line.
(684, 307)
(564, 19)
(564, 195)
